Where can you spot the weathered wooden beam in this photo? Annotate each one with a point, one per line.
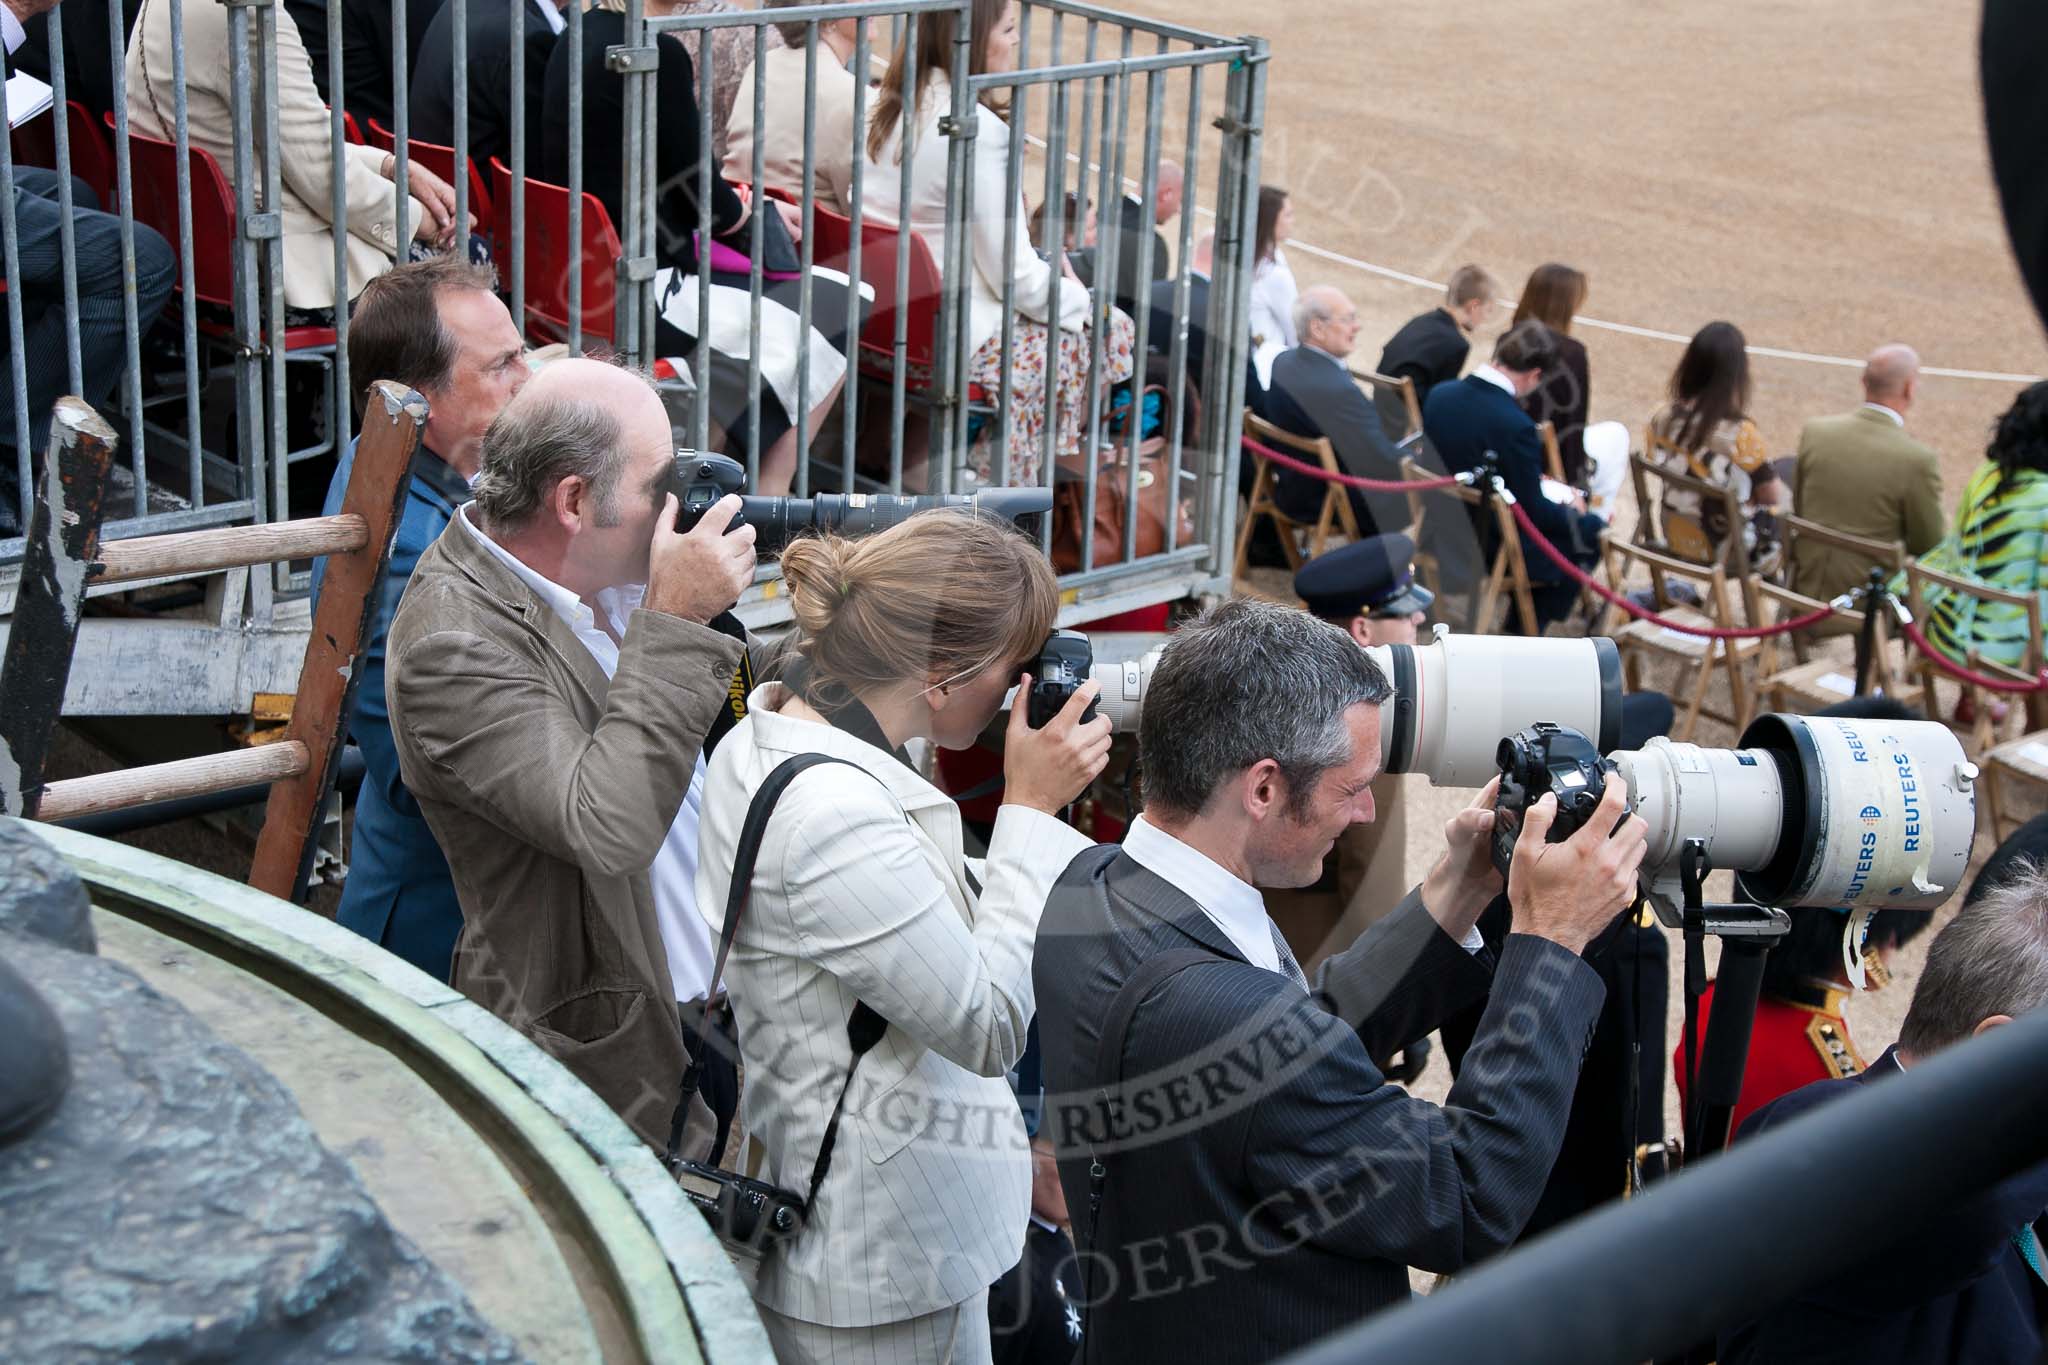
(63, 535)
(102, 792)
(227, 547)
(392, 419)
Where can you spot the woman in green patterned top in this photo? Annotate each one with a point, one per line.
(2000, 539)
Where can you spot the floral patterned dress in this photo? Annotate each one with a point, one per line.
(1030, 377)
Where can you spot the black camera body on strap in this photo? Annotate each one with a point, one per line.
(750, 1216)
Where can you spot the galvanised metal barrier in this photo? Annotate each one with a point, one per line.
(229, 402)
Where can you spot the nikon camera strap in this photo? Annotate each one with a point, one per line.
(864, 1027)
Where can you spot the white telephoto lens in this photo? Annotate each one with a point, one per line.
(1458, 696)
(1886, 813)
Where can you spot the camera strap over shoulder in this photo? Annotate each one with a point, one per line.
(1109, 1076)
(864, 1027)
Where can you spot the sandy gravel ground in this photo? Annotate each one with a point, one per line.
(1814, 173)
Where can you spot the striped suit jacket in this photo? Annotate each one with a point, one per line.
(861, 893)
(1265, 1185)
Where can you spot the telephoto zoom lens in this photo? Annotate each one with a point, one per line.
(1812, 811)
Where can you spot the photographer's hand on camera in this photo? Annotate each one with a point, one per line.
(701, 572)
(1568, 892)
(1047, 769)
(1464, 882)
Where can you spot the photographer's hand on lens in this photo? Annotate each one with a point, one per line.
(1047, 769)
(1464, 881)
(1568, 892)
(702, 572)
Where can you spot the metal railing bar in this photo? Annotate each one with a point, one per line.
(67, 238)
(337, 136)
(809, 251)
(188, 288)
(757, 242)
(799, 14)
(131, 321)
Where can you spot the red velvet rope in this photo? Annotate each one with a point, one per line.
(1599, 589)
(1316, 471)
(1968, 675)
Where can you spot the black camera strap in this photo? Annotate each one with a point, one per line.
(1109, 1078)
(864, 1028)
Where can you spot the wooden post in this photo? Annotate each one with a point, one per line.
(392, 419)
(63, 537)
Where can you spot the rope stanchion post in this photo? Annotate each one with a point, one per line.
(1874, 595)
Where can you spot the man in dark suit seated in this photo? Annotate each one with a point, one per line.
(1263, 1184)
(432, 96)
(1431, 349)
(1133, 225)
(1313, 394)
(1480, 416)
(1966, 1285)
(435, 326)
(1165, 325)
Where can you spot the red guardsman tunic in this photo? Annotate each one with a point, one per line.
(1791, 1045)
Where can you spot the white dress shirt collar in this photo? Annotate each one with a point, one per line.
(1231, 904)
(552, 12)
(1896, 416)
(1497, 379)
(11, 31)
(575, 613)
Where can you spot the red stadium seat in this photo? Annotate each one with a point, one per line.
(548, 251)
(441, 161)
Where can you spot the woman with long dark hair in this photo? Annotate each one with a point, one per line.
(1273, 288)
(1554, 295)
(1705, 432)
(2000, 539)
(1047, 350)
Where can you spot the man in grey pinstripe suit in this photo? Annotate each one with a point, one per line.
(1262, 1184)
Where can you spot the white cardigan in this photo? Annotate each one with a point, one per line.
(860, 893)
(1030, 278)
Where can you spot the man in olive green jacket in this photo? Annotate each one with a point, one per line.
(552, 681)
(1861, 473)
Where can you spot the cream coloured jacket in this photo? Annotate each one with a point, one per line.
(861, 894)
(305, 160)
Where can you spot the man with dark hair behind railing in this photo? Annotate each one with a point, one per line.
(1968, 1285)
(434, 326)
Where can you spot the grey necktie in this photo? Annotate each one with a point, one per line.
(1288, 966)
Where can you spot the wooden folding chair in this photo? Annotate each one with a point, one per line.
(1698, 655)
(1509, 571)
(1806, 684)
(1981, 736)
(1403, 388)
(1803, 537)
(1682, 536)
(1336, 509)
(1553, 458)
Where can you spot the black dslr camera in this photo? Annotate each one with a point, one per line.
(1061, 667)
(750, 1215)
(700, 479)
(1545, 758)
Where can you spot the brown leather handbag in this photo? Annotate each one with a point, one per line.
(1156, 502)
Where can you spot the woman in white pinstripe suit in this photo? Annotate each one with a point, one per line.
(862, 895)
